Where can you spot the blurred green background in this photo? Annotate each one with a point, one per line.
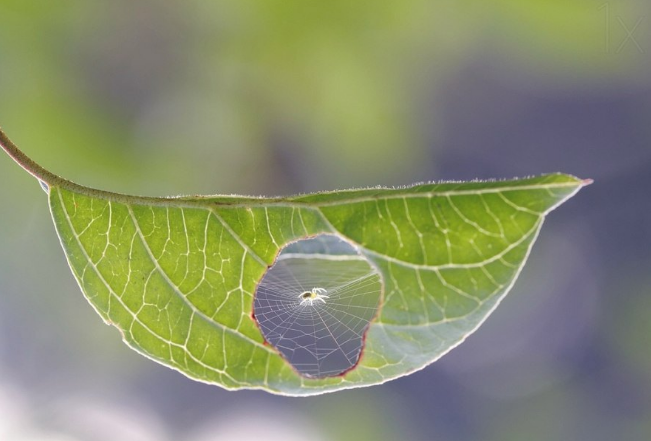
(286, 96)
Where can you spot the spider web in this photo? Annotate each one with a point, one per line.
(324, 338)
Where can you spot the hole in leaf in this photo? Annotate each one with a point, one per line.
(315, 304)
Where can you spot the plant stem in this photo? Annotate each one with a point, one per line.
(28, 164)
(52, 180)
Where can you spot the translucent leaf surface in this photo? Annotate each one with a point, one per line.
(177, 277)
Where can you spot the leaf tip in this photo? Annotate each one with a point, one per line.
(586, 182)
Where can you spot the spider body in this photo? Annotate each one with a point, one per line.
(315, 295)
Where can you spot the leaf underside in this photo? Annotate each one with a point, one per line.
(178, 276)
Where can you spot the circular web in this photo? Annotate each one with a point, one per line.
(315, 304)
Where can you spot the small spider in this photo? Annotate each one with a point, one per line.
(309, 297)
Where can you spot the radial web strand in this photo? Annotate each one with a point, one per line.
(315, 304)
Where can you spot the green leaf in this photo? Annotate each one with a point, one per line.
(177, 276)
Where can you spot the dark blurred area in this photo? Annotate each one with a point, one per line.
(279, 97)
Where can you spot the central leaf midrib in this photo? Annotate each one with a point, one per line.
(294, 201)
